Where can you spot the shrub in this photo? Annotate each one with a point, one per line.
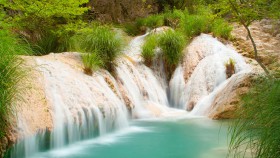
(91, 62)
(102, 41)
(172, 44)
(221, 28)
(11, 74)
(148, 49)
(257, 127)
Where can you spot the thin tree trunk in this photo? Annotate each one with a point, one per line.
(242, 21)
(255, 50)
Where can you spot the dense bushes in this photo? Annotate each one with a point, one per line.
(101, 41)
(11, 74)
(257, 127)
(200, 21)
(41, 22)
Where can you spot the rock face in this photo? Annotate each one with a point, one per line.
(228, 99)
(266, 34)
(122, 10)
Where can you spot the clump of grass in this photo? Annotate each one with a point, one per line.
(10, 74)
(221, 28)
(148, 49)
(193, 25)
(230, 67)
(257, 126)
(48, 42)
(172, 44)
(103, 42)
(154, 21)
(174, 18)
(92, 62)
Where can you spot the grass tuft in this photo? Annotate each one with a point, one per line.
(92, 62)
(172, 44)
(230, 67)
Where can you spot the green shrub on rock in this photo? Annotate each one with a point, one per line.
(172, 44)
(148, 49)
(102, 41)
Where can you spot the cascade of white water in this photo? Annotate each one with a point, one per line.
(208, 76)
(142, 85)
(75, 99)
(87, 106)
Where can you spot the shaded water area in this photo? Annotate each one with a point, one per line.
(194, 138)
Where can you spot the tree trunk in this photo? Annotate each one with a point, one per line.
(255, 50)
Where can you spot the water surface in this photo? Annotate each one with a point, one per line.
(184, 138)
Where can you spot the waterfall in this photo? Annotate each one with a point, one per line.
(208, 57)
(84, 107)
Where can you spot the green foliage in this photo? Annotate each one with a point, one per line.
(31, 14)
(194, 24)
(148, 49)
(154, 21)
(172, 44)
(92, 62)
(174, 18)
(131, 29)
(101, 40)
(245, 12)
(180, 4)
(45, 24)
(11, 74)
(257, 127)
(221, 28)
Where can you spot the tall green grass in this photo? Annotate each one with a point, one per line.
(102, 41)
(48, 42)
(172, 44)
(256, 129)
(221, 28)
(148, 49)
(10, 74)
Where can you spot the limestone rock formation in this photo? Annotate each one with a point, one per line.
(266, 34)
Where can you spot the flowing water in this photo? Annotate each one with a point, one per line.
(93, 115)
